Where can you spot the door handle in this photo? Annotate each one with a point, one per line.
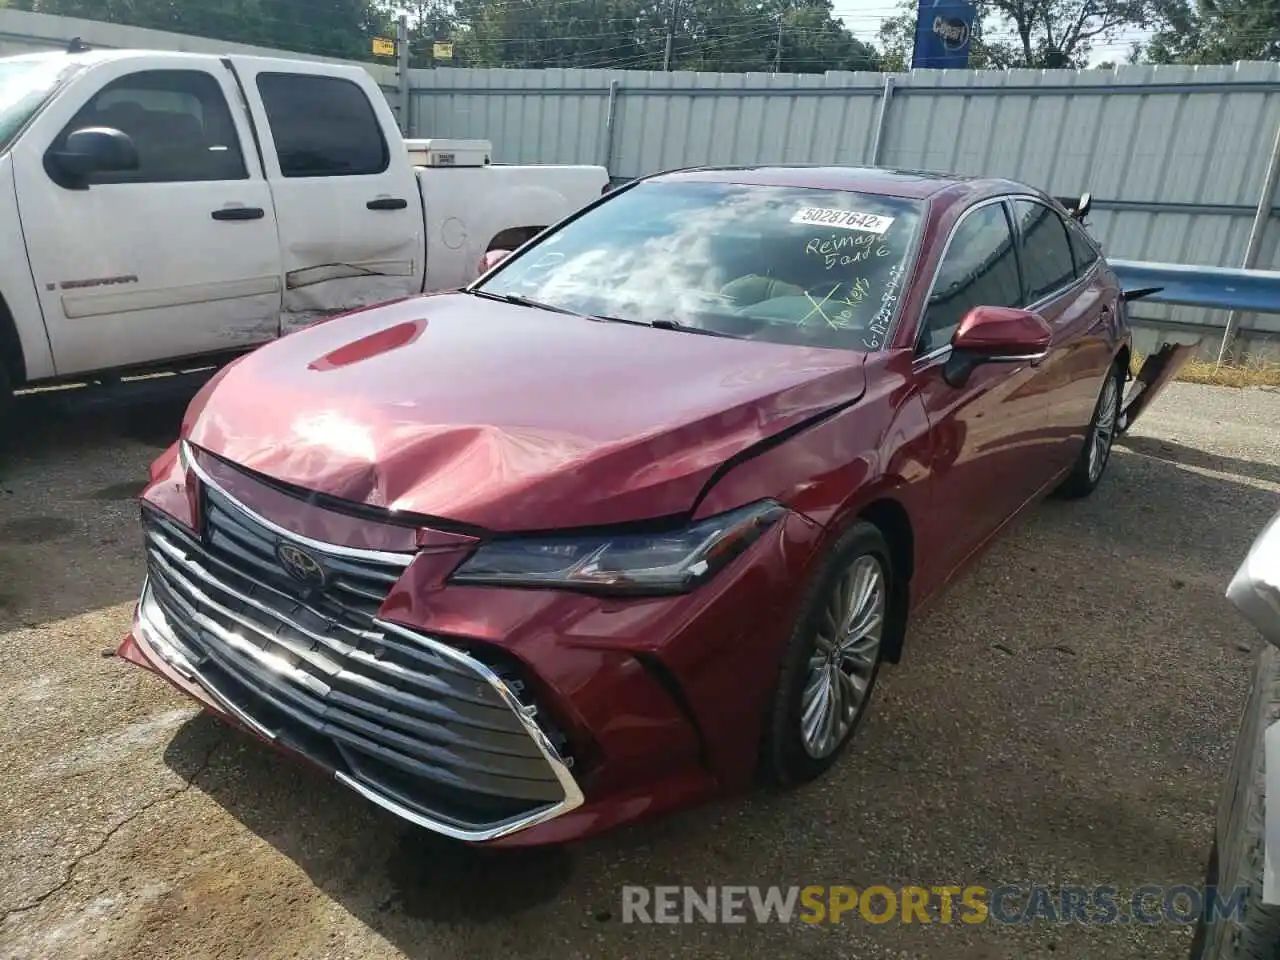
(387, 203)
(239, 213)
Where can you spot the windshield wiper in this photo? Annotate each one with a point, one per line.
(686, 328)
(520, 301)
(662, 324)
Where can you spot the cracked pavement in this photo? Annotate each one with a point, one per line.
(1062, 716)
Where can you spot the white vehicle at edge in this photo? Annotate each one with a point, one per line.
(160, 207)
(1244, 860)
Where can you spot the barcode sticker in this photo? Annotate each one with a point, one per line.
(843, 219)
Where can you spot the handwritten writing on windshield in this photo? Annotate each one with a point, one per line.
(846, 250)
(844, 317)
(879, 325)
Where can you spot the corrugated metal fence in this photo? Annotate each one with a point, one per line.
(1175, 157)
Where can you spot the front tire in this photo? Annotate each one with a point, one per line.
(831, 663)
(1096, 452)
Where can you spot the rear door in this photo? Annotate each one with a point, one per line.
(347, 203)
(988, 434)
(1063, 285)
(176, 258)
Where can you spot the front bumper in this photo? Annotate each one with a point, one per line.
(266, 701)
(415, 725)
(496, 716)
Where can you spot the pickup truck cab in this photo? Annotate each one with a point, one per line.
(159, 207)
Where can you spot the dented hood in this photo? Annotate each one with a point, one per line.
(508, 417)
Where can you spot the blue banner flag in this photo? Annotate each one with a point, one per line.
(943, 29)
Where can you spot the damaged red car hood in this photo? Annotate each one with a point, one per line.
(507, 417)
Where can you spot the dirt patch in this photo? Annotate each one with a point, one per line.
(26, 531)
(128, 490)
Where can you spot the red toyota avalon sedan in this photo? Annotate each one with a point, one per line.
(640, 513)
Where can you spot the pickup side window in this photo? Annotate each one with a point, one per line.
(322, 126)
(179, 121)
(1047, 265)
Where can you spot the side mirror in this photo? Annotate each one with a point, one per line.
(91, 150)
(492, 259)
(997, 335)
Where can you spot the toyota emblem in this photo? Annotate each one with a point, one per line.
(300, 565)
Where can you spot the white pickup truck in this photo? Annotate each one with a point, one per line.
(159, 207)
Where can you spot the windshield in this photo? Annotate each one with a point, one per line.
(801, 266)
(24, 86)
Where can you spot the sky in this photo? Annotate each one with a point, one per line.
(863, 18)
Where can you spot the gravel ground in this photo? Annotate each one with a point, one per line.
(1063, 716)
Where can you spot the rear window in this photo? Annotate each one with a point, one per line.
(1082, 249)
(821, 268)
(322, 126)
(1047, 264)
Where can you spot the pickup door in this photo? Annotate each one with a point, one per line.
(176, 258)
(347, 203)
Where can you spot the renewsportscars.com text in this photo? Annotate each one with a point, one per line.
(1009, 904)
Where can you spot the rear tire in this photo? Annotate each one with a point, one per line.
(1096, 452)
(847, 620)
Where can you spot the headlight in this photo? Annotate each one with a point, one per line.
(634, 563)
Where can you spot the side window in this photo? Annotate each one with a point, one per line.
(1084, 252)
(978, 269)
(322, 126)
(1045, 251)
(178, 120)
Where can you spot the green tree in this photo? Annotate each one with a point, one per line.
(1216, 31)
(711, 35)
(336, 28)
(560, 33)
(813, 41)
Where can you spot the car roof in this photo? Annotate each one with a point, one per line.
(883, 181)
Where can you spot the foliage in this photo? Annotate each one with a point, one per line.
(794, 36)
(337, 28)
(713, 35)
(1216, 31)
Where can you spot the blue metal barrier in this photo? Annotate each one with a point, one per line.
(1218, 288)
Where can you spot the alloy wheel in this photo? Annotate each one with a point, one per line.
(845, 654)
(1104, 429)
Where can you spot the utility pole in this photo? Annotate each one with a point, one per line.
(777, 50)
(402, 75)
(671, 33)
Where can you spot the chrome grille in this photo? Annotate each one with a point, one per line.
(358, 586)
(413, 724)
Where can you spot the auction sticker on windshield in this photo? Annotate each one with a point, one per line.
(844, 219)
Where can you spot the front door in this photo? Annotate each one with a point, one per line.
(347, 201)
(1063, 287)
(176, 258)
(989, 433)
